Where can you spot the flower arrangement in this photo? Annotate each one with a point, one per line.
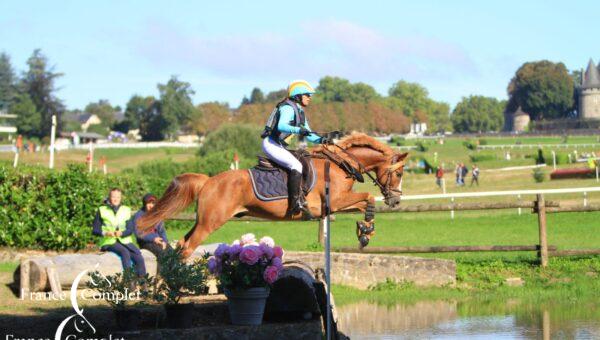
(247, 263)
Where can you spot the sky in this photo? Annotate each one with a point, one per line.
(115, 49)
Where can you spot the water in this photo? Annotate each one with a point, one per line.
(472, 320)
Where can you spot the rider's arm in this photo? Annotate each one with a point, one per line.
(313, 137)
(286, 116)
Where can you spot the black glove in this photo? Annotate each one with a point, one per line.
(326, 140)
(304, 131)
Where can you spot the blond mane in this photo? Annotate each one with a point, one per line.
(359, 139)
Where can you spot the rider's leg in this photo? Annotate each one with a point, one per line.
(283, 157)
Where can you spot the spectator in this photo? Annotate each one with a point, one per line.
(156, 240)
(458, 173)
(439, 176)
(475, 175)
(111, 224)
(463, 173)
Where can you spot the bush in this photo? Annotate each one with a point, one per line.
(398, 140)
(245, 139)
(539, 175)
(469, 144)
(50, 209)
(483, 142)
(481, 157)
(422, 147)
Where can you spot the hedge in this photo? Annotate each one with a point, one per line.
(45, 209)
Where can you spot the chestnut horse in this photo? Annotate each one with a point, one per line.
(230, 193)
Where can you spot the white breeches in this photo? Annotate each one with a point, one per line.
(277, 153)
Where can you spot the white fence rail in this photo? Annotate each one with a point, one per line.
(140, 145)
(536, 146)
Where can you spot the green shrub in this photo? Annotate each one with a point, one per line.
(51, 209)
(421, 146)
(469, 144)
(483, 142)
(539, 175)
(398, 140)
(245, 139)
(481, 157)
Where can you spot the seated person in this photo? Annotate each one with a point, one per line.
(111, 224)
(156, 240)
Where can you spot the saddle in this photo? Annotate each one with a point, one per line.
(269, 179)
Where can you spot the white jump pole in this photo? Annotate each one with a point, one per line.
(52, 138)
(326, 227)
(91, 156)
(16, 161)
(554, 159)
(597, 174)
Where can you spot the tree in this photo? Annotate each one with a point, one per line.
(335, 89)
(257, 96)
(212, 115)
(410, 97)
(478, 114)
(7, 82)
(439, 117)
(276, 96)
(39, 83)
(152, 124)
(543, 89)
(28, 118)
(176, 105)
(245, 139)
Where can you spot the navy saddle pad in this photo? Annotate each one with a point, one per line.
(270, 184)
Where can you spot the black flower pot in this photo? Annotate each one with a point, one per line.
(180, 315)
(128, 319)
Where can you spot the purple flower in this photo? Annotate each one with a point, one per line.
(276, 262)
(268, 241)
(271, 273)
(250, 255)
(266, 250)
(214, 266)
(278, 251)
(234, 250)
(221, 249)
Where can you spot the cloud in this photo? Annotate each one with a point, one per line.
(339, 48)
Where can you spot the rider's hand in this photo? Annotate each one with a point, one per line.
(326, 140)
(304, 131)
(118, 233)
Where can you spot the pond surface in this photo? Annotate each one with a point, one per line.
(472, 320)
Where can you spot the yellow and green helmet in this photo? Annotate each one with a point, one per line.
(299, 87)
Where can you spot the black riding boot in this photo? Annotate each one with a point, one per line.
(296, 199)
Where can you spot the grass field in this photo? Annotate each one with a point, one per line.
(116, 159)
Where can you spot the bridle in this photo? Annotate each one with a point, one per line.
(387, 191)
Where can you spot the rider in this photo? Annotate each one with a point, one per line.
(288, 119)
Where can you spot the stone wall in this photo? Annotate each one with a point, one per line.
(589, 104)
(364, 270)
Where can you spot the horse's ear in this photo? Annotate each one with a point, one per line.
(399, 157)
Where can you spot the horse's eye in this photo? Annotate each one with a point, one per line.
(398, 174)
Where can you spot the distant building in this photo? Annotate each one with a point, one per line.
(589, 93)
(516, 121)
(88, 119)
(6, 126)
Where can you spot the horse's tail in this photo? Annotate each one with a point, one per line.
(179, 194)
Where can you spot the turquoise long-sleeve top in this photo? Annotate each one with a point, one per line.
(286, 115)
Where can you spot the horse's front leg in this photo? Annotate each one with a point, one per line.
(364, 202)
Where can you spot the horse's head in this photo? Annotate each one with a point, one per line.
(389, 174)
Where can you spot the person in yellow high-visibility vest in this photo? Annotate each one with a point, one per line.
(110, 224)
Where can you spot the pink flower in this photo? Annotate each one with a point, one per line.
(214, 267)
(248, 238)
(271, 273)
(268, 241)
(234, 250)
(250, 255)
(266, 250)
(278, 251)
(221, 249)
(276, 262)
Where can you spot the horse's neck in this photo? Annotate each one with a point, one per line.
(368, 157)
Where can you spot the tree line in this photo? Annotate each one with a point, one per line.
(543, 89)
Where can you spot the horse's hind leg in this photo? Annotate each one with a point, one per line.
(207, 222)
